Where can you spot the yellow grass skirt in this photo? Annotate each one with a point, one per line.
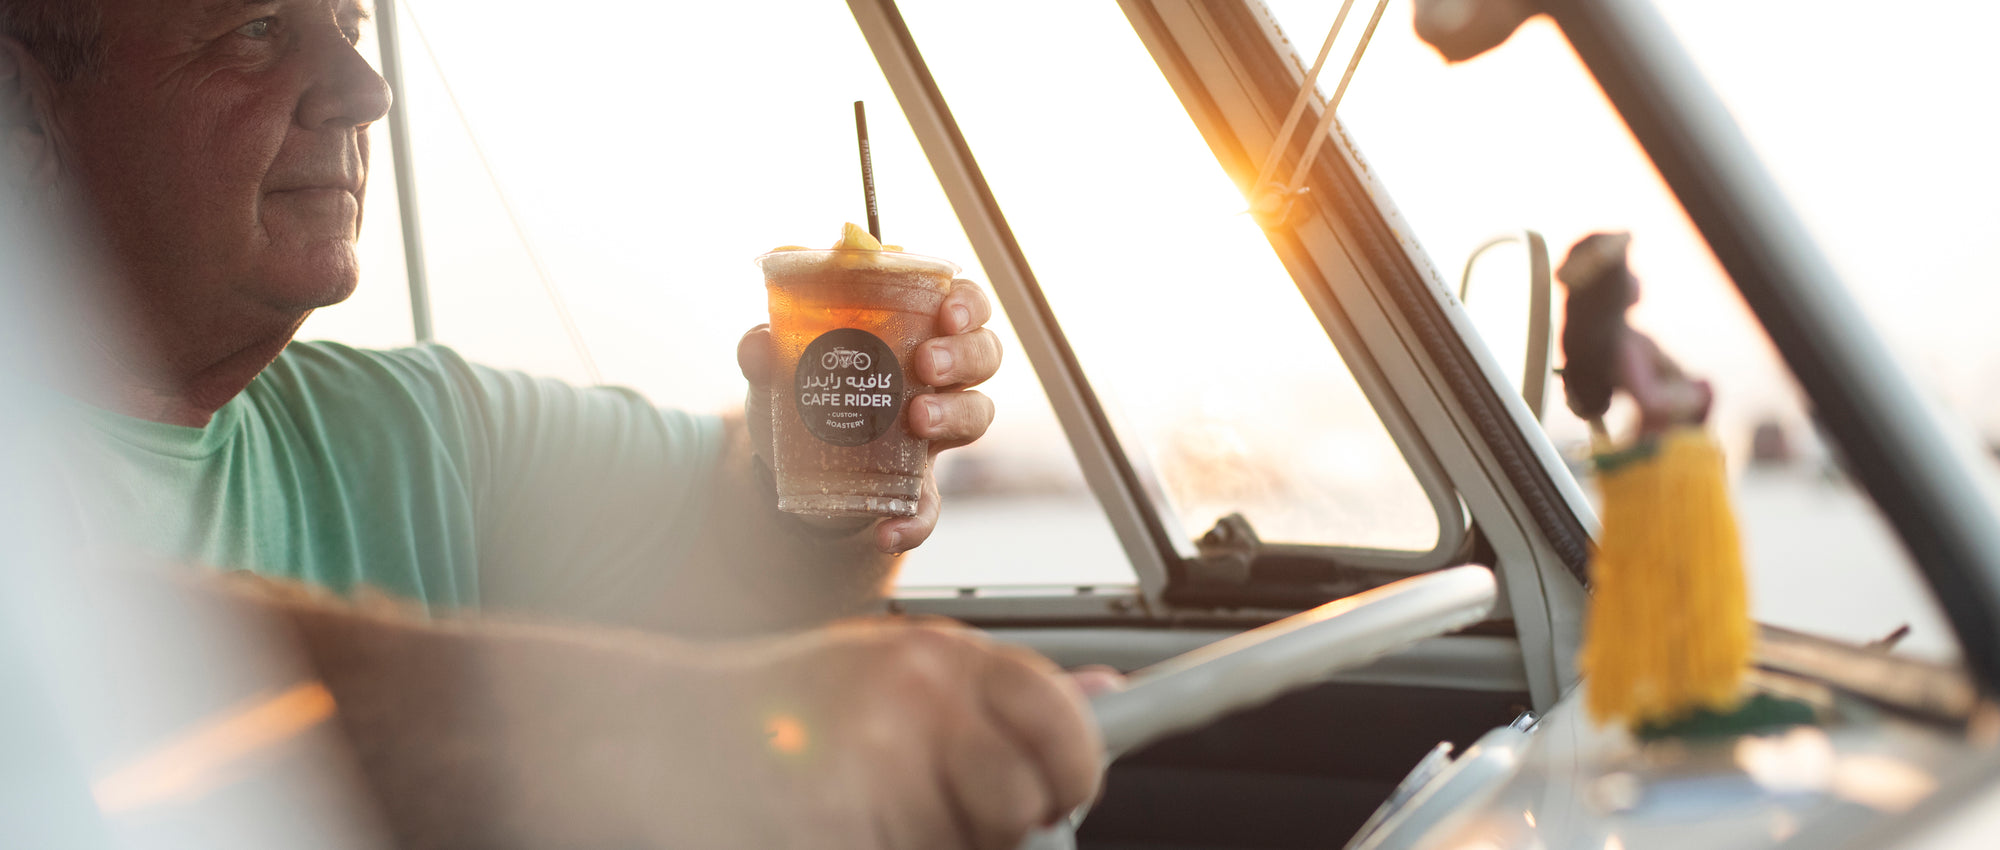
(1669, 626)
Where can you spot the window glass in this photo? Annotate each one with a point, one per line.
(621, 193)
(1187, 325)
(1522, 138)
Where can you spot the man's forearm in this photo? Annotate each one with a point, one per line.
(475, 734)
(759, 570)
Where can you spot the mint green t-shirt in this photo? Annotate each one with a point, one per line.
(418, 473)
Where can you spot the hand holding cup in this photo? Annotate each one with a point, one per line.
(826, 401)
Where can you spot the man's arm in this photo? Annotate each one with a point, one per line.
(757, 570)
(490, 735)
(878, 734)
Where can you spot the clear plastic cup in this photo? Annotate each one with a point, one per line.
(845, 324)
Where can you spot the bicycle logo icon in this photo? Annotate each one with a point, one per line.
(846, 358)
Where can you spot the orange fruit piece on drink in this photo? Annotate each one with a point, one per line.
(854, 237)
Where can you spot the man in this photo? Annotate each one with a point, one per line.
(217, 151)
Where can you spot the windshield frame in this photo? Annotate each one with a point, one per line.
(1352, 255)
(1174, 571)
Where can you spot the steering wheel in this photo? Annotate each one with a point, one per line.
(1257, 666)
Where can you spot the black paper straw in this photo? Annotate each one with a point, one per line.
(867, 170)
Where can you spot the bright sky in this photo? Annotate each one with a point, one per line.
(1868, 122)
(633, 185)
(1863, 119)
(652, 149)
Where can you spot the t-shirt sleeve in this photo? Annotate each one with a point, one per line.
(585, 498)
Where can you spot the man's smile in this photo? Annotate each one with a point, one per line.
(329, 181)
(318, 195)
(313, 210)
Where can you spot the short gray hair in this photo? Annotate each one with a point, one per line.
(66, 35)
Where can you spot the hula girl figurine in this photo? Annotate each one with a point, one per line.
(1602, 353)
(1669, 631)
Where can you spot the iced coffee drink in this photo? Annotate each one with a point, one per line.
(845, 323)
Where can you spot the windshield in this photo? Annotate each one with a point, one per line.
(1522, 138)
(554, 260)
(590, 217)
(1218, 377)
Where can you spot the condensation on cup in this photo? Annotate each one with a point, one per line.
(844, 324)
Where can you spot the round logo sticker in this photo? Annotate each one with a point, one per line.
(850, 388)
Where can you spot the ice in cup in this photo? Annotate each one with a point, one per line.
(845, 323)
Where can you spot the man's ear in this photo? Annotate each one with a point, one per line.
(27, 145)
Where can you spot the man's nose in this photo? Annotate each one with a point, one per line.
(348, 92)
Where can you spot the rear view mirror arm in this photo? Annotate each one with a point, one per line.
(1535, 372)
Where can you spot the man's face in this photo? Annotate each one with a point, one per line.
(223, 151)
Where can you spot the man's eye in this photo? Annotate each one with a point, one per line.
(353, 34)
(260, 28)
